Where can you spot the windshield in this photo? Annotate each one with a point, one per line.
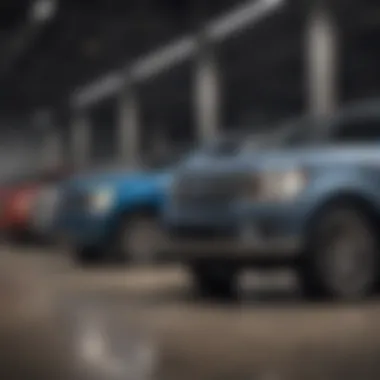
(224, 146)
(304, 130)
(234, 143)
(300, 131)
(268, 140)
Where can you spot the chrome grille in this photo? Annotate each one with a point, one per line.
(211, 189)
(73, 201)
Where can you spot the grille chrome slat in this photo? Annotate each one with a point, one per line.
(210, 188)
(73, 201)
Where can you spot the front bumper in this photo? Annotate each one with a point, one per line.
(256, 249)
(82, 230)
(249, 232)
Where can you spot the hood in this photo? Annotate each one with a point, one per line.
(117, 178)
(284, 158)
(316, 156)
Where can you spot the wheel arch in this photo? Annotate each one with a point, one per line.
(143, 208)
(314, 284)
(360, 201)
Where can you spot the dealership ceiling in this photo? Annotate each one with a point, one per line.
(43, 61)
(48, 52)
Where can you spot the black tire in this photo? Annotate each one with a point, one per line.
(88, 256)
(138, 239)
(18, 238)
(341, 261)
(218, 280)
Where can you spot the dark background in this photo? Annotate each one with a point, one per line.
(263, 68)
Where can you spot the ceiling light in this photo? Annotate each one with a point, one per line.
(43, 10)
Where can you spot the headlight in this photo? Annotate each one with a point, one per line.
(101, 200)
(279, 185)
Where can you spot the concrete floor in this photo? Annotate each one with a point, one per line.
(145, 324)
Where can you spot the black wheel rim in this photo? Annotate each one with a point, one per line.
(347, 256)
(142, 239)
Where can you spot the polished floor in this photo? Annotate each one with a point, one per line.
(63, 322)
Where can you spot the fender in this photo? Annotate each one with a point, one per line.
(144, 197)
(356, 186)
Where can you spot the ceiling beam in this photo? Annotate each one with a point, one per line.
(173, 54)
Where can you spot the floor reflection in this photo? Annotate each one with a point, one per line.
(135, 325)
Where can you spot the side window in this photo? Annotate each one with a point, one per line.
(361, 130)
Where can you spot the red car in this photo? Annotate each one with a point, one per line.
(17, 197)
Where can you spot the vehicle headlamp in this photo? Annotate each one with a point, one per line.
(282, 185)
(101, 200)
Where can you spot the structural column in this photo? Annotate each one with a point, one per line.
(53, 150)
(81, 135)
(129, 126)
(207, 97)
(49, 147)
(322, 59)
(159, 142)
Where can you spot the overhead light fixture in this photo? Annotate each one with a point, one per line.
(43, 10)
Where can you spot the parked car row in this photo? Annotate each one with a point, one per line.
(306, 195)
(18, 194)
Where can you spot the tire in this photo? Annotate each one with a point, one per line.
(18, 238)
(217, 280)
(87, 256)
(139, 239)
(341, 261)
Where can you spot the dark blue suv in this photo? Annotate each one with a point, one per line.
(111, 214)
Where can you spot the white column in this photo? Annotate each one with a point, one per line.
(49, 146)
(160, 143)
(207, 94)
(53, 147)
(321, 60)
(81, 134)
(129, 126)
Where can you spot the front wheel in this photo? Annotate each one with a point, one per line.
(139, 239)
(342, 259)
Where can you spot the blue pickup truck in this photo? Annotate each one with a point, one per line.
(110, 214)
(310, 199)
